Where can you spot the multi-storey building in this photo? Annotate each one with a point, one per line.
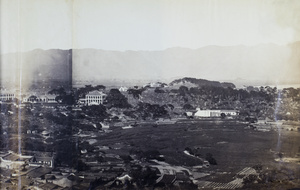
(94, 98)
(6, 96)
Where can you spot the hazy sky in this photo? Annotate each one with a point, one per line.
(146, 24)
(149, 25)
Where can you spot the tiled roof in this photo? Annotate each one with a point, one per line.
(51, 96)
(95, 92)
(38, 172)
(166, 179)
(47, 159)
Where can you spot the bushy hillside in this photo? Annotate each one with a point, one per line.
(201, 82)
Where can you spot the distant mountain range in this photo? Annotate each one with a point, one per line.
(262, 63)
(37, 66)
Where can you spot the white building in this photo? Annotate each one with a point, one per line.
(123, 89)
(40, 99)
(156, 84)
(30, 98)
(94, 98)
(6, 96)
(215, 113)
(12, 160)
(49, 98)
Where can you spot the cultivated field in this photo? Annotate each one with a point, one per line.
(234, 146)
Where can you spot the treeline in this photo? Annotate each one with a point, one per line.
(259, 102)
(219, 93)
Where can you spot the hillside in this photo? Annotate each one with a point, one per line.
(201, 82)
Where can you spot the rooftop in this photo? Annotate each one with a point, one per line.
(38, 172)
(95, 92)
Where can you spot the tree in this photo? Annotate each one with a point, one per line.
(33, 98)
(223, 115)
(151, 111)
(136, 92)
(116, 99)
(158, 90)
(65, 99)
(81, 92)
(60, 91)
(170, 106)
(188, 107)
(99, 87)
(158, 111)
(68, 99)
(195, 91)
(210, 159)
(81, 166)
(98, 111)
(249, 179)
(143, 176)
(183, 90)
(175, 91)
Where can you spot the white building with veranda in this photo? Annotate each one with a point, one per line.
(6, 96)
(94, 98)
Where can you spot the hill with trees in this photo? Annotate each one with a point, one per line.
(201, 82)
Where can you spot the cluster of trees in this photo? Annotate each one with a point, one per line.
(292, 93)
(136, 93)
(215, 91)
(221, 94)
(62, 96)
(143, 176)
(151, 111)
(251, 101)
(202, 82)
(209, 157)
(59, 91)
(98, 111)
(116, 99)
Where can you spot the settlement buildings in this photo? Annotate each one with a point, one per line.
(13, 160)
(92, 98)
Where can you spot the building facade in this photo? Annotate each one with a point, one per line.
(40, 99)
(215, 113)
(6, 96)
(94, 98)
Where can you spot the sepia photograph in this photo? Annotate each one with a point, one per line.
(149, 94)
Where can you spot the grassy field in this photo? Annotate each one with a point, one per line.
(232, 146)
(229, 142)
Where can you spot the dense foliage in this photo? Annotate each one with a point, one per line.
(116, 99)
(202, 82)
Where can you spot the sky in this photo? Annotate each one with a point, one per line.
(146, 24)
(153, 25)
